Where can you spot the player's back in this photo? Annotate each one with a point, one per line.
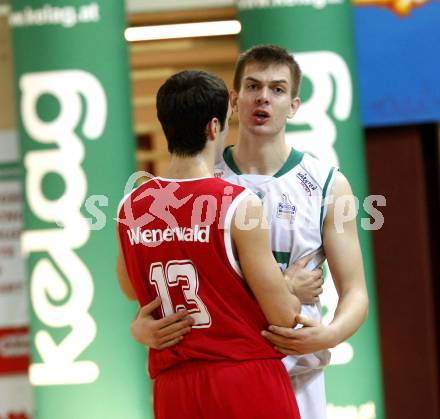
(175, 236)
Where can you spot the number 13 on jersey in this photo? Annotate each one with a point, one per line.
(180, 276)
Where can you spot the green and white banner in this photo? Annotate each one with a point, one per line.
(320, 34)
(75, 125)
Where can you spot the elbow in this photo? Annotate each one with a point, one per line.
(289, 317)
(366, 309)
(283, 319)
(363, 303)
(130, 295)
(125, 286)
(127, 290)
(288, 321)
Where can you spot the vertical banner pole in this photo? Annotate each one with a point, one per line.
(320, 34)
(77, 146)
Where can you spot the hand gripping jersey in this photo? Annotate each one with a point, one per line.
(294, 203)
(175, 237)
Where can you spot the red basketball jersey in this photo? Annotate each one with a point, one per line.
(175, 237)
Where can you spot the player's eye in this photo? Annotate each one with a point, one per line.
(279, 90)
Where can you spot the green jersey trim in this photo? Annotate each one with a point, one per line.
(324, 194)
(229, 160)
(282, 259)
(294, 158)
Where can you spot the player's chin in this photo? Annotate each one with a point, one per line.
(263, 130)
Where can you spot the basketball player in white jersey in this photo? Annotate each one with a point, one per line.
(300, 195)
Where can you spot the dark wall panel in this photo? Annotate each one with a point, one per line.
(404, 273)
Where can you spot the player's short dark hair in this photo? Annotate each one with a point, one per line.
(185, 104)
(267, 55)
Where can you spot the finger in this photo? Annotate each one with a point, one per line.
(316, 274)
(173, 318)
(171, 336)
(315, 291)
(148, 309)
(282, 331)
(308, 277)
(306, 321)
(181, 327)
(170, 343)
(301, 263)
(310, 300)
(278, 340)
(286, 351)
(318, 282)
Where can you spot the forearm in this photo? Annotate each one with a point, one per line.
(279, 306)
(352, 308)
(259, 266)
(350, 314)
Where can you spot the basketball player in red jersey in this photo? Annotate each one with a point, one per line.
(200, 244)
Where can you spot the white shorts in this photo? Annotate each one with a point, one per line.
(310, 394)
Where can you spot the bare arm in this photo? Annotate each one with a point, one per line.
(344, 256)
(123, 278)
(259, 266)
(168, 331)
(145, 329)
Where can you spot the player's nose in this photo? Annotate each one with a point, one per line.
(263, 95)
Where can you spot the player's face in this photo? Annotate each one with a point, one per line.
(264, 101)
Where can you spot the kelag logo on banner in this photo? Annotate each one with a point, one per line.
(75, 128)
(397, 64)
(319, 33)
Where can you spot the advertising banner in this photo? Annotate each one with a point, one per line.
(15, 389)
(320, 35)
(396, 42)
(77, 146)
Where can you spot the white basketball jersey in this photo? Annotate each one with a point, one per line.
(294, 202)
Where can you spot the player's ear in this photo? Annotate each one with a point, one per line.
(212, 129)
(294, 105)
(233, 96)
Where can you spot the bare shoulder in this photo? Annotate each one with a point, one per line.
(251, 205)
(341, 186)
(342, 207)
(250, 208)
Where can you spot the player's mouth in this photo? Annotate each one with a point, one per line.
(260, 116)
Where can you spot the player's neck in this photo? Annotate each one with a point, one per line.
(189, 167)
(260, 156)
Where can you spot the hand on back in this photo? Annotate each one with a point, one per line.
(162, 333)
